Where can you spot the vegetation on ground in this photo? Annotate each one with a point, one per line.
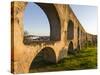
(86, 59)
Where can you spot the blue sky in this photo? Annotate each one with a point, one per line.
(87, 15)
(36, 22)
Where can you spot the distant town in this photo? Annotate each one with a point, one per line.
(32, 38)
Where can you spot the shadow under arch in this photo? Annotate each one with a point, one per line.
(45, 57)
(78, 47)
(70, 48)
(78, 31)
(54, 20)
(70, 30)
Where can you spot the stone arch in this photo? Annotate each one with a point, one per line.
(17, 35)
(70, 30)
(53, 17)
(35, 23)
(70, 48)
(54, 20)
(45, 56)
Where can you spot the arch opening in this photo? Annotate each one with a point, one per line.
(70, 30)
(50, 29)
(44, 58)
(78, 33)
(70, 48)
(54, 20)
(78, 47)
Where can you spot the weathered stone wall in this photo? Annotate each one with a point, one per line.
(91, 39)
(23, 55)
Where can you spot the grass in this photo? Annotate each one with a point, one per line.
(86, 59)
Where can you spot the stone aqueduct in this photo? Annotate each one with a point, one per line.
(66, 35)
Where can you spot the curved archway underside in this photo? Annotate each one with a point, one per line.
(44, 57)
(54, 21)
(70, 30)
(70, 48)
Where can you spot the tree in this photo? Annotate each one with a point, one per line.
(25, 33)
